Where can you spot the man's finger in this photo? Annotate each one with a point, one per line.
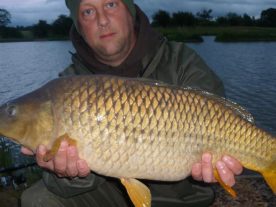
(233, 164)
(196, 171)
(26, 151)
(40, 153)
(226, 175)
(72, 157)
(207, 168)
(60, 159)
(83, 169)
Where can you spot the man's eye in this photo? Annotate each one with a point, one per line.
(111, 5)
(88, 12)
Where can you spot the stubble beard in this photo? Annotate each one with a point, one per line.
(118, 51)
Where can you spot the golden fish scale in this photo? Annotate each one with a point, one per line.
(127, 128)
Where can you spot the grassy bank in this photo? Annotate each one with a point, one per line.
(188, 34)
(33, 39)
(223, 34)
(27, 36)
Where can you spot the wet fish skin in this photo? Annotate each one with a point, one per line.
(139, 129)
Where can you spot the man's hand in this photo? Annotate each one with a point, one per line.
(227, 168)
(66, 162)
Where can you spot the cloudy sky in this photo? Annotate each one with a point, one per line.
(28, 12)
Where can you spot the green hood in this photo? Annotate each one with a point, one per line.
(73, 6)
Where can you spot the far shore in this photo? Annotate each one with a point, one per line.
(189, 34)
(222, 34)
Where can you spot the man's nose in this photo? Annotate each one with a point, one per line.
(103, 20)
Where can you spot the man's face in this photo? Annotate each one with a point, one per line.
(108, 28)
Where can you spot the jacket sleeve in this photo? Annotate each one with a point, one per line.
(66, 187)
(194, 72)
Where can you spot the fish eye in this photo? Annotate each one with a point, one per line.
(11, 110)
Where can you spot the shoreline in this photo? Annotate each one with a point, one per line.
(221, 34)
(187, 34)
(32, 40)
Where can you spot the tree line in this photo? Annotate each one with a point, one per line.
(204, 17)
(61, 26)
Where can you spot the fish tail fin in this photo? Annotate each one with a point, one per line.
(269, 174)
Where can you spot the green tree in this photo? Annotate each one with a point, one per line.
(234, 19)
(41, 29)
(161, 18)
(247, 20)
(10, 32)
(183, 19)
(5, 17)
(223, 21)
(205, 14)
(61, 26)
(268, 17)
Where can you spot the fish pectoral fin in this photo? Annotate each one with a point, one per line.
(270, 177)
(51, 153)
(137, 191)
(224, 185)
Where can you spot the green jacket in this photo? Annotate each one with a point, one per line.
(174, 63)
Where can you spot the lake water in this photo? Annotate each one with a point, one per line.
(248, 71)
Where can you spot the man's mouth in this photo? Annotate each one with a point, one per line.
(107, 35)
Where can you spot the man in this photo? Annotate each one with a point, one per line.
(114, 37)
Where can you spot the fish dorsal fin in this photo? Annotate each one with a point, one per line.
(239, 110)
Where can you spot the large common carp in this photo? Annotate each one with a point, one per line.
(131, 128)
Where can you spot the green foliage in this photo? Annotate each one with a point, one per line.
(247, 20)
(5, 17)
(161, 18)
(268, 18)
(180, 34)
(204, 18)
(205, 14)
(41, 29)
(183, 19)
(223, 34)
(61, 26)
(10, 32)
(233, 19)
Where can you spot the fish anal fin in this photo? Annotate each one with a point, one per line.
(224, 185)
(51, 153)
(270, 177)
(138, 192)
